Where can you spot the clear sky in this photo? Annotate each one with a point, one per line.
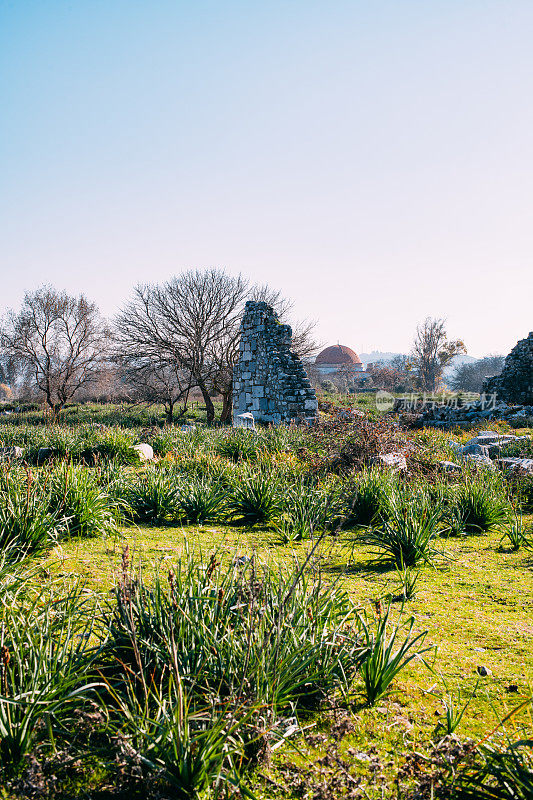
(374, 160)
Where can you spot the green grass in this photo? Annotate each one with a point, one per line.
(477, 607)
(472, 606)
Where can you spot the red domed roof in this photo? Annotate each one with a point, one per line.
(338, 354)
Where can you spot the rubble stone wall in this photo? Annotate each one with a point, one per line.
(269, 380)
(515, 383)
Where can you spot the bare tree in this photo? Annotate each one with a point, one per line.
(154, 380)
(57, 341)
(191, 322)
(432, 352)
(470, 377)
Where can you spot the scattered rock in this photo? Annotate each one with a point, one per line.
(479, 460)
(484, 671)
(474, 449)
(45, 454)
(449, 466)
(11, 453)
(144, 450)
(395, 461)
(516, 464)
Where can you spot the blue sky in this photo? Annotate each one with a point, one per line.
(374, 160)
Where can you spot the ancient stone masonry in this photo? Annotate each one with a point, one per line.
(515, 384)
(269, 380)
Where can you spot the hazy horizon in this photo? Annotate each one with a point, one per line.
(373, 161)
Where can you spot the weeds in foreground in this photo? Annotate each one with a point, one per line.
(390, 647)
(455, 708)
(407, 580)
(191, 750)
(44, 658)
(504, 773)
(516, 534)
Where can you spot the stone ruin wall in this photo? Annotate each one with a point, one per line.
(515, 383)
(269, 380)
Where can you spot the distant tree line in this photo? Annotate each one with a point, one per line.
(168, 341)
(179, 339)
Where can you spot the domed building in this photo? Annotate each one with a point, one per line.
(338, 358)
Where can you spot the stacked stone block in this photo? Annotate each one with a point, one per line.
(269, 380)
(515, 384)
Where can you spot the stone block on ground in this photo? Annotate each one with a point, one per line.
(11, 453)
(395, 461)
(144, 450)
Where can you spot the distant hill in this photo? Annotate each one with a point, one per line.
(377, 355)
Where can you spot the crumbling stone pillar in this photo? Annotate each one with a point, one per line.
(515, 384)
(269, 380)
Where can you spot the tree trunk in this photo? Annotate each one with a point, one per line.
(227, 406)
(209, 407)
(55, 408)
(169, 412)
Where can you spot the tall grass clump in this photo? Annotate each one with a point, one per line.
(28, 525)
(155, 497)
(236, 633)
(256, 499)
(114, 444)
(239, 444)
(406, 533)
(201, 501)
(480, 506)
(86, 507)
(305, 509)
(365, 499)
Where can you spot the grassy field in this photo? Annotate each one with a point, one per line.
(476, 604)
(471, 606)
